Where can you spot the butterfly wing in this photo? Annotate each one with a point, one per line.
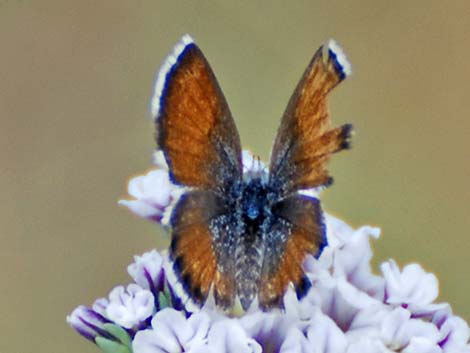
(306, 138)
(298, 230)
(195, 128)
(201, 247)
(201, 145)
(303, 146)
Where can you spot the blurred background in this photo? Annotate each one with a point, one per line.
(75, 83)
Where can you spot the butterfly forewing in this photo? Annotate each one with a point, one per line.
(306, 138)
(195, 128)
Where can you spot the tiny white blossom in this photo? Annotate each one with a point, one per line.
(348, 256)
(412, 285)
(152, 193)
(147, 271)
(325, 335)
(368, 345)
(421, 345)
(398, 329)
(454, 334)
(171, 332)
(295, 342)
(87, 322)
(268, 328)
(340, 300)
(130, 307)
(100, 306)
(229, 336)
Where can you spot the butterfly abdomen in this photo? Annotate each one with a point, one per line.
(252, 210)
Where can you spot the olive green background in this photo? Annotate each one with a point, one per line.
(75, 84)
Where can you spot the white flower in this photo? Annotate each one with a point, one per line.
(411, 286)
(152, 193)
(421, 345)
(230, 337)
(295, 342)
(171, 332)
(325, 335)
(100, 306)
(368, 345)
(268, 329)
(398, 329)
(454, 334)
(130, 307)
(147, 271)
(87, 322)
(340, 300)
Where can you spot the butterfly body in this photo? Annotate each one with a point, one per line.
(244, 234)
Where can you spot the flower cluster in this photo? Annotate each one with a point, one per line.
(349, 309)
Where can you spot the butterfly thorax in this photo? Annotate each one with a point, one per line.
(254, 201)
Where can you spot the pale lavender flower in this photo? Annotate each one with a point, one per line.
(454, 334)
(88, 322)
(349, 309)
(368, 345)
(147, 271)
(229, 336)
(410, 286)
(100, 306)
(295, 342)
(152, 193)
(268, 329)
(398, 329)
(130, 307)
(325, 335)
(172, 332)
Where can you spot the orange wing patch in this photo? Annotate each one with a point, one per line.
(306, 138)
(194, 261)
(301, 218)
(194, 249)
(195, 128)
(289, 270)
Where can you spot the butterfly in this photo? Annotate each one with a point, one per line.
(244, 236)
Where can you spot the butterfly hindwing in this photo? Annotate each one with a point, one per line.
(195, 128)
(198, 247)
(297, 231)
(306, 138)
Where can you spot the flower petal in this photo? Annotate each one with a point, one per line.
(295, 342)
(411, 286)
(88, 323)
(455, 334)
(325, 335)
(398, 329)
(130, 307)
(152, 192)
(421, 345)
(147, 271)
(228, 336)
